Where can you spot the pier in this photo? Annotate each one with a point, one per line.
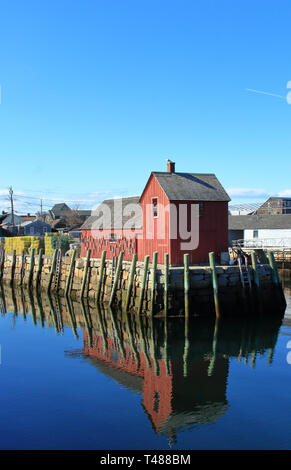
(148, 287)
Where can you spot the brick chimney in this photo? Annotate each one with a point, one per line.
(170, 166)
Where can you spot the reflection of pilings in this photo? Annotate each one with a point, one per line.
(59, 314)
(253, 358)
(166, 361)
(271, 356)
(242, 343)
(214, 283)
(116, 333)
(214, 348)
(272, 349)
(52, 312)
(166, 274)
(40, 309)
(143, 342)
(131, 342)
(186, 284)
(71, 313)
(3, 303)
(101, 327)
(14, 300)
(87, 324)
(23, 304)
(32, 307)
(153, 348)
(186, 347)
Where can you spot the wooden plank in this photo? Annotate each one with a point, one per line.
(87, 261)
(130, 281)
(69, 280)
(144, 278)
(100, 280)
(117, 273)
(31, 266)
(52, 270)
(214, 283)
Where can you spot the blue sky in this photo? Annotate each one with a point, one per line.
(97, 94)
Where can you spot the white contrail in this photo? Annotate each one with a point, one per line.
(264, 93)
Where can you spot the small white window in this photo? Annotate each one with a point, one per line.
(155, 208)
(112, 238)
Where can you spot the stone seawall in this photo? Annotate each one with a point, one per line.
(29, 271)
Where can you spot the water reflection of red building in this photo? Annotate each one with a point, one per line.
(171, 400)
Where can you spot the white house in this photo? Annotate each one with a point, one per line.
(269, 230)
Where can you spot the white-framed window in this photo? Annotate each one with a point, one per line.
(155, 207)
(255, 234)
(112, 238)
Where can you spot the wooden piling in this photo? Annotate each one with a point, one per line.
(273, 264)
(117, 273)
(31, 266)
(255, 269)
(39, 266)
(87, 261)
(13, 267)
(214, 283)
(71, 271)
(264, 258)
(186, 283)
(154, 276)
(130, 281)
(52, 270)
(100, 280)
(166, 286)
(2, 260)
(144, 278)
(22, 267)
(276, 279)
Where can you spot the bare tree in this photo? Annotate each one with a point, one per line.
(73, 218)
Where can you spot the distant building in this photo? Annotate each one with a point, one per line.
(34, 228)
(266, 230)
(60, 210)
(275, 205)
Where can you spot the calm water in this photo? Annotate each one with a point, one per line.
(73, 377)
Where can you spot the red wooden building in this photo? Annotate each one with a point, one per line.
(177, 213)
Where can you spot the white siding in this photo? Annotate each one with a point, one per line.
(271, 237)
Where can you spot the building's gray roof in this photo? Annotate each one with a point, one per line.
(116, 213)
(268, 221)
(84, 212)
(191, 186)
(60, 208)
(31, 222)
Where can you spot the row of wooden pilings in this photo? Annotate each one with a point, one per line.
(267, 258)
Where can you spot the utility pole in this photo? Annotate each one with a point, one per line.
(11, 203)
(41, 209)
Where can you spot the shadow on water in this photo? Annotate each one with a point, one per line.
(179, 365)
